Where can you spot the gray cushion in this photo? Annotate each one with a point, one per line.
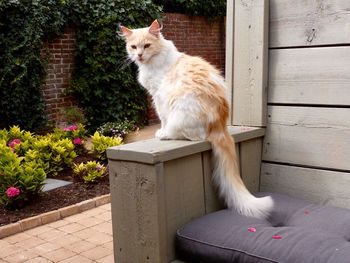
(296, 232)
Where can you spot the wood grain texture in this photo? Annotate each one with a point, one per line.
(315, 185)
(212, 200)
(138, 212)
(184, 195)
(154, 151)
(230, 11)
(310, 76)
(317, 137)
(309, 22)
(250, 62)
(250, 161)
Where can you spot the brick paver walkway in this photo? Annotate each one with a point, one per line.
(81, 238)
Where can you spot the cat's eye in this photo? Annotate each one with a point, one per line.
(147, 45)
(133, 46)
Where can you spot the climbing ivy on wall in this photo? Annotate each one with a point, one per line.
(24, 26)
(103, 81)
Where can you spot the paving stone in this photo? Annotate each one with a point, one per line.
(65, 240)
(87, 205)
(105, 227)
(52, 234)
(76, 259)
(69, 210)
(9, 250)
(38, 230)
(30, 242)
(71, 228)
(102, 200)
(50, 217)
(106, 216)
(30, 222)
(38, 260)
(59, 255)
(24, 256)
(96, 253)
(90, 221)
(10, 229)
(99, 238)
(108, 259)
(17, 237)
(80, 246)
(45, 248)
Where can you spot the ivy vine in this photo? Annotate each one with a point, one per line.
(103, 80)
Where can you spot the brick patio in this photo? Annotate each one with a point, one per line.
(84, 237)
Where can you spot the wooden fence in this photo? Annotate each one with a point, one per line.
(306, 150)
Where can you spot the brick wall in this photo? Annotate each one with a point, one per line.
(60, 68)
(197, 36)
(192, 35)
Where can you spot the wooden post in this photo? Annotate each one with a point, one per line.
(250, 62)
(230, 16)
(158, 186)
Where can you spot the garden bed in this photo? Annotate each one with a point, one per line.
(58, 198)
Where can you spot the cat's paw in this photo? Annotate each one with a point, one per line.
(161, 135)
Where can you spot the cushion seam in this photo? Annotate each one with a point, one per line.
(226, 248)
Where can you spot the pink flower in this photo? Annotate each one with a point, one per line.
(276, 237)
(77, 141)
(71, 128)
(14, 142)
(252, 229)
(12, 191)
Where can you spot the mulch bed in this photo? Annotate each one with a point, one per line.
(58, 198)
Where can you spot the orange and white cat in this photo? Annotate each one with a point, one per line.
(189, 97)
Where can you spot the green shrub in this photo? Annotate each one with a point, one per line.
(89, 172)
(52, 156)
(100, 143)
(103, 80)
(208, 8)
(20, 181)
(18, 140)
(117, 129)
(72, 115)
(24, 26)
(75, 132)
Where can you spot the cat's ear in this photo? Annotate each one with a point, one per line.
(124, 31)
(155, 28)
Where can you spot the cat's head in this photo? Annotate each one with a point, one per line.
(142, 43)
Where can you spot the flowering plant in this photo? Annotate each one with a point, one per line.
(76, 133)
(89, 172)
(117, 129)
(20, 181)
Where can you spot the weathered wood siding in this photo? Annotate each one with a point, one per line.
(306, 151)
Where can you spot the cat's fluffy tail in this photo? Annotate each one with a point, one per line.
(229, 182)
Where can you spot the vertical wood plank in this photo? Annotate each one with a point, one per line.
(184, 195)
(250, 62)
(212, 200)
(250, 159)
(139, 225)
(229, 53)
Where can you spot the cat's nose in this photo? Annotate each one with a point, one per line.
(140, 55)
